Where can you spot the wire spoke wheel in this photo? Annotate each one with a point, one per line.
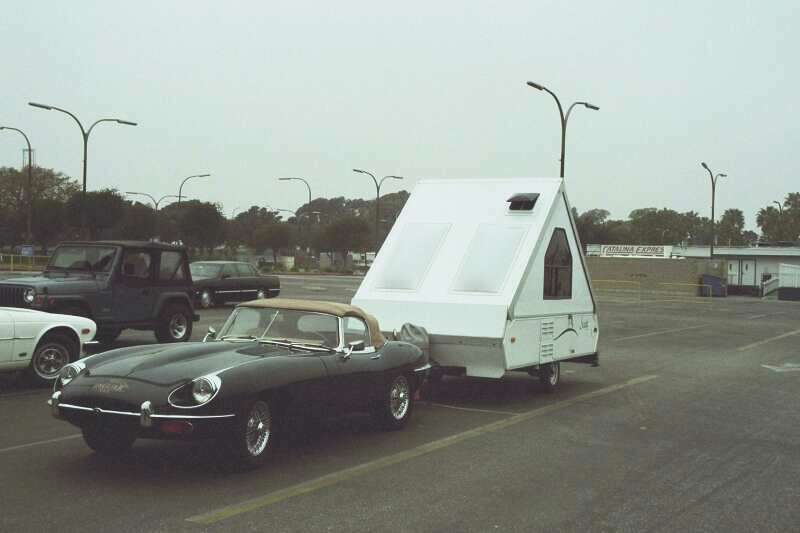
(258, 428)
(399, 397)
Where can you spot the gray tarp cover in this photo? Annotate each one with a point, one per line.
(416, 335)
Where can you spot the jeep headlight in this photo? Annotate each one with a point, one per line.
(204, 389)
(29, 296)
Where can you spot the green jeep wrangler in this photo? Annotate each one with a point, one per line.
(118, 284)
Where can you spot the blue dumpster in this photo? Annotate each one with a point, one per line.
(713, 286)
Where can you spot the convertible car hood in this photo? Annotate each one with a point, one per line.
(167, 364)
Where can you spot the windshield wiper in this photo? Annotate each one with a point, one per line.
(239, 337)
(299, 345)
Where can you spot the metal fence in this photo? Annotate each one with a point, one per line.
(23, 263)
(607, 290)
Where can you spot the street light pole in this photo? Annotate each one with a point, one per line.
(30, 181)
(713, 200)
(85, 134)
(564, 116)
(155, 205)
(304, 181)
(377, 201)
(180, 189)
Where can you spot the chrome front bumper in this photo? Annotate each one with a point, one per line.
(146, 414)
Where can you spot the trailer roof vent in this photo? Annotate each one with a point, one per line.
(523, 201)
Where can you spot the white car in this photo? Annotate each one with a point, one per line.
(41, 343)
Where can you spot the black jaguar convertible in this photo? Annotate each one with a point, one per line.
(273, 361)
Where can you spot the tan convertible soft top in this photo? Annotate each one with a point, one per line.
(329, 308)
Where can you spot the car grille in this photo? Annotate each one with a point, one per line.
(12, 296)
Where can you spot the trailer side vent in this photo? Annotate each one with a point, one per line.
(546, 351)
(547, 328)
(523, 201)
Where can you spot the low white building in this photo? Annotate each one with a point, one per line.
(749, 268)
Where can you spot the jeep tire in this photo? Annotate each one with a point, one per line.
(174, 323)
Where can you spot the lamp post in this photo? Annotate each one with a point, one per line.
(85, 133)
(155, 204)
(713, 197)
(30, 181)
(299, 179)
(564, 116)
(377, 201)
(180, 189)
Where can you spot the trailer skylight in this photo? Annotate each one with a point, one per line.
(413, 251)
(488, 259)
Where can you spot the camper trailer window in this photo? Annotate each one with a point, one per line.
(558, 267)
(355, 330)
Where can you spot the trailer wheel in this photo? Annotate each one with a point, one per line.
(549, 376)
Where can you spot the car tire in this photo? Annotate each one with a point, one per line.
(394, 409)
(207, 299)
(107, 336)
(108, 439)
(53, 353)
(174, 324)
(253, 438)
(550, 376)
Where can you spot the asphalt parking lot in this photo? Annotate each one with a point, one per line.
(690, 423)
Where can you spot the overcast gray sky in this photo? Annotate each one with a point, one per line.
(252, 91)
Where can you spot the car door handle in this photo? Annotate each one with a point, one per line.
(376, 356)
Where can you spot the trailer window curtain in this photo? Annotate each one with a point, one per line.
(558, 267)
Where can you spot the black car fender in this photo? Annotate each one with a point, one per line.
(288, 375)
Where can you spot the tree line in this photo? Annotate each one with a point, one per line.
(324, 225)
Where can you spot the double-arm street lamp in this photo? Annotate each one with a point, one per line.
(85, 133)
(30, 180)
(713, 197)
(564, 116)
(299, 179)
(155, 203)
(377, 201)
(180, 189)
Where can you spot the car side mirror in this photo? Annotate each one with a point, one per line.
(210, 335)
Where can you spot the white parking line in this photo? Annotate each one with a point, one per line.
(756, 316)
(313, 485)
(473, 410)
(765, 341)
(654, 333)
(38, 443)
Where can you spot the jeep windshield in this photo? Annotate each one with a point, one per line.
(85, 258)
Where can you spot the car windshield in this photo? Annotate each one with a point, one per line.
(205, 270)
(89, 258)
(304, 327)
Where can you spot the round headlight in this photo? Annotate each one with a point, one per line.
(30, 295)
(68, 373)
(203, 390)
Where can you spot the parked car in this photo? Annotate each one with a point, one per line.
(217, 282)
(273, 361)
(40, 343)
(118, 284)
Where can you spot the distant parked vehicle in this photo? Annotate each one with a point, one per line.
(118, 284)
(217, 282)
(40, 343)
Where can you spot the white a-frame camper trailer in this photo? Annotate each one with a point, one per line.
(494, 271)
